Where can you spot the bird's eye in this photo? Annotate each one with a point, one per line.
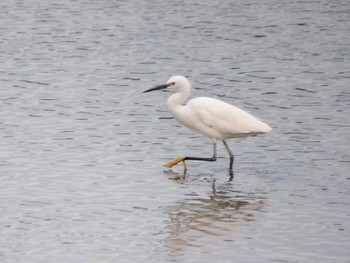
(172, 83)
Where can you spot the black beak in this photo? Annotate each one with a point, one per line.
(164, 86)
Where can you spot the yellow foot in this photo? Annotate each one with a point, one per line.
(175, 162)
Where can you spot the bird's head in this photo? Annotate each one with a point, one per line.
(177, 83)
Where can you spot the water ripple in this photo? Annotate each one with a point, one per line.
(82, 147)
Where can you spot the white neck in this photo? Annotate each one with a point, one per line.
(177, 99)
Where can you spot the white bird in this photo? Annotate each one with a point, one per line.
(211, 117)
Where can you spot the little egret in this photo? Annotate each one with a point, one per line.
(211, 117)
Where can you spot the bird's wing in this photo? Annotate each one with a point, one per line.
(213, 126)
(206, 118)
(224, 118)
(214, 113)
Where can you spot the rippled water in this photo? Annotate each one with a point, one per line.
(82, 148)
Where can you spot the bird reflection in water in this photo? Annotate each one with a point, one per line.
(211, 221)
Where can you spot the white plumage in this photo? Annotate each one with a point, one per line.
(211, 117)
(219, 121)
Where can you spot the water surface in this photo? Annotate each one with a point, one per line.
(82, 147)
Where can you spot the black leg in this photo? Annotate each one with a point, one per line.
(230, 154)
(211, 159)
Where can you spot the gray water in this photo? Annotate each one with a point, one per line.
(83, 149)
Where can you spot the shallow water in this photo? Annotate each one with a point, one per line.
(82, 147)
